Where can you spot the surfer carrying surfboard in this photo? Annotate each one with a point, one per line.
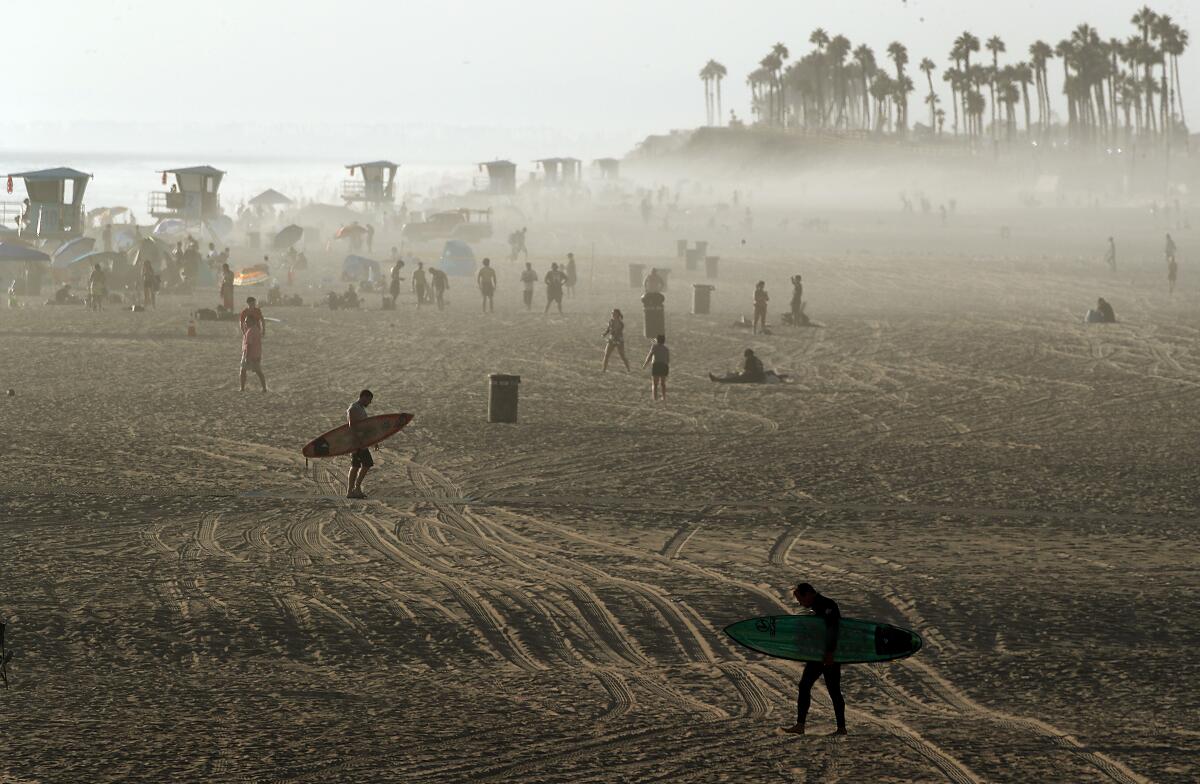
(826, 609)
(360, 461)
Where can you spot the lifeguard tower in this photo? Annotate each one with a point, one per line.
(610, 168)
(376, 189)
(195, 196)
(559, 171)
(502, 177)
(54, 207)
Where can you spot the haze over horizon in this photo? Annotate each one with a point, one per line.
(440, 82)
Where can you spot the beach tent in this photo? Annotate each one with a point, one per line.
(16, 252)
(457, 258)
(73, 249)
(287, 237)
(360, 268)
(270, 198)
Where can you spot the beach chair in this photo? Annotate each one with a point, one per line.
(4, 657)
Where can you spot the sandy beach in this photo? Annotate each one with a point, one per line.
(543, 602)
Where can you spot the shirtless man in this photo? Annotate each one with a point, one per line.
(360, 461)
(487, 286)
(529, 279)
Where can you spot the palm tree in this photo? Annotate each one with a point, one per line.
(835, 53)
(927, 66)
(865, 57)
(718, 73)
(899, 55)
(1041, 52)
(953, 76)
(1174, 45)
(820, 39)
(965, 44)
(779, 53)
(995, 46)
(706, 77)
(1144, 20)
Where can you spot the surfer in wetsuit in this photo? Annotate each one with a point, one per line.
(827, 609)
(361, 460)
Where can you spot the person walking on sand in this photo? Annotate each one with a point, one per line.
(487, 286)
(572, 275)
(1170, 249)
(360, 460)
(659, 360)
(439, 281)
(615, 332)
(1110, 256)
(554, 287)
(827, 610)
(226, 287)
(394, 287)
(254, 327)
(418, 283)
(797, 302)
(760, 307)
(97, 288)
(149, 283)
(529, 279)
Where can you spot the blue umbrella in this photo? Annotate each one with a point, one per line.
(99, 257)
(69, 251)
(11, 251)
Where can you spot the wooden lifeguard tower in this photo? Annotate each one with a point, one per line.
(502, 177)
(194, 197)
(376, 189)
(53, 208)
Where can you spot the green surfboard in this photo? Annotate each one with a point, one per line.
(802, 638)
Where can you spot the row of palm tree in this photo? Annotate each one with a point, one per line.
(1114, 89)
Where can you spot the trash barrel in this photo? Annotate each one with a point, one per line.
(681, 248)
(694, 257)
(701, 248)
(654, 315)
(637, 274)
(253, 240)
(702, 298)
(710, 267)
(502, 397)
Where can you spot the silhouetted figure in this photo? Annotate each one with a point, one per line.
(827, 610)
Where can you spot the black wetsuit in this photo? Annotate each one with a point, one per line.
(827, 609)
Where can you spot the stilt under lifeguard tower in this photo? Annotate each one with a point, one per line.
(54, 207)
(502, 177)
(194, 197)
(376, 189)
(610, 168)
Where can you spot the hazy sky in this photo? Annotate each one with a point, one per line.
(599, 74)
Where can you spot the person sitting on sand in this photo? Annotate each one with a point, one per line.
(64, 296)
(487, 286)
(254, 328)
(752, 371)
(350, 298)
(361, 460)
(659, 360)
(1101, 314)
(760, 307)
(615, 332)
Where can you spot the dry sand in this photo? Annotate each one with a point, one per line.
(542, 602)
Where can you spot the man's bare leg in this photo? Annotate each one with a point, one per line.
(262, 379)
(242, 380)
(352, 481)
(362, 473)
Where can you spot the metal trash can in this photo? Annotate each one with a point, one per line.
(702, 298)
(502, 397)
(710, 267)
(681, 248)
(694, 256)
(654, 315)
(637, 274)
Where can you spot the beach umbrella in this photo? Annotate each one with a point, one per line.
(147, 250)
(360, 268)
(287, 236)
(349, 231)
(269, 198)
(170, 227)
(16, 252)
(73, 249)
